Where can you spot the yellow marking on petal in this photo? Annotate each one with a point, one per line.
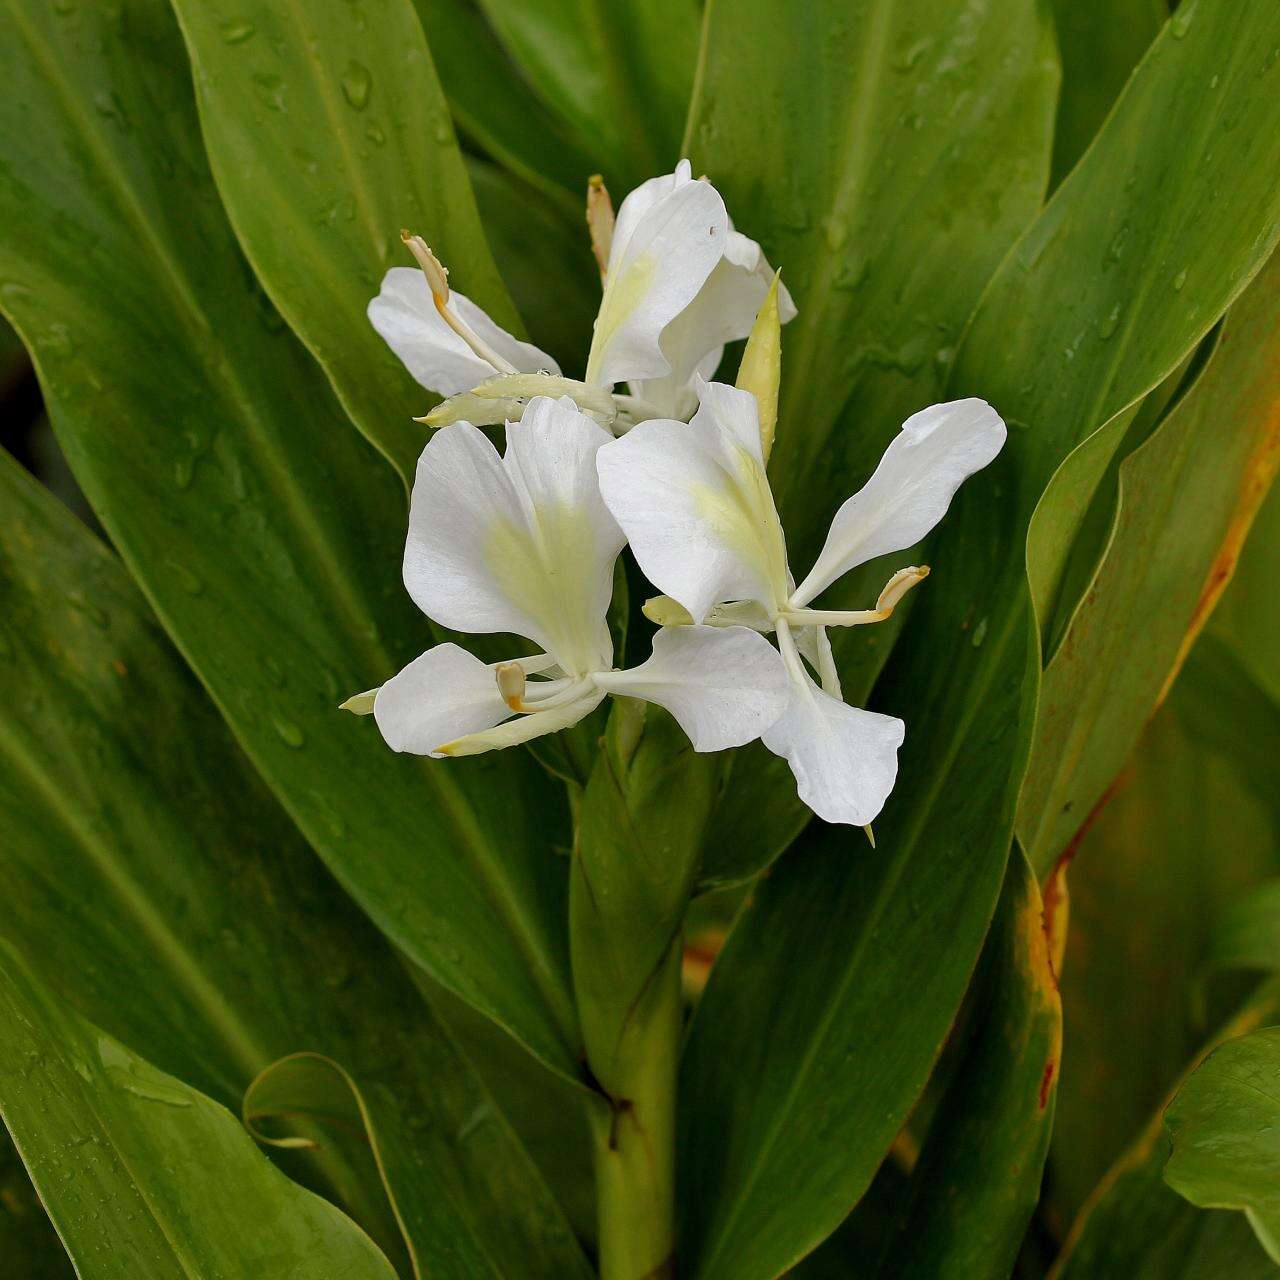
(623, 293)
(744, 518)
(545, 572)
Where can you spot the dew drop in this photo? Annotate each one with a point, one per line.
(979, 634)
(375, 134)
(237, 31)
(1179, 280)
(288, 732)
(1181, 21)
(1108, 325)
(188, 581)
(356, 84)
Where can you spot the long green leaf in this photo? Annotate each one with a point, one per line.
(193, 923)
(1187, 497)
(1221, 1125)
(143, 1175)
(1248, 619)
(27, 1238)
(492, 105)
(1183, 837)
(618, 75)
(885, 153)
(803, 1063)
(461, 1218)
(1101, 41)
(977, 1181)
(1135, 1228)
(328, 132)
(265, 533)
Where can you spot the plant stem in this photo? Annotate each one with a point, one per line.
(634, 1138)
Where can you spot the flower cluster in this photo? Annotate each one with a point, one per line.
(525, 542)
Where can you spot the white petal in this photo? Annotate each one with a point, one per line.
(406, 317)
(724, 686)
(442, 695)
(573, 540)
(845, 759)
(663, 251)
(521, 544)
(696, 506)
(723, 312)
(934, 453)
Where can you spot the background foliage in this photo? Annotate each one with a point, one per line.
(224, 899)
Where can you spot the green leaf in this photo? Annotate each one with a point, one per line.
(617, 75)
(492, 105)
(265, 532)
(1101, 41)
(143, 1175)
(1248, 619)
(884, 154)
(1185, 835)
(545, 258)
(27, 1237)
(803, 1063)
(1248, 934)
(328, 132)
(1222, 1125)
(977, 1181)
(1187, 498)
(199, 929)
(461, 1218)
(885, 177)
(1135, 1228)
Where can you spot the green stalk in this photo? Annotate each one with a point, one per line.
(634, 1138)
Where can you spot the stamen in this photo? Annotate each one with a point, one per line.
(437, 275)
(511, 684)
(899, 585)
(830, 676)
(600, 221)
(890, 598)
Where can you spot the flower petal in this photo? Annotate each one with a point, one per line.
(405, 314)
(696, 506)
(723, 311)
(669, 235)
(573, 540)
(522, 543)
(725, 686)
(934, 453)
(845, 760)
(442, 695)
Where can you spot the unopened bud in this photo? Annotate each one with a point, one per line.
(600, 221)
(761, 367)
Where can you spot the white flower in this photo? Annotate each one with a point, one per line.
(523, 543)
(696, 507)
(678, 283)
